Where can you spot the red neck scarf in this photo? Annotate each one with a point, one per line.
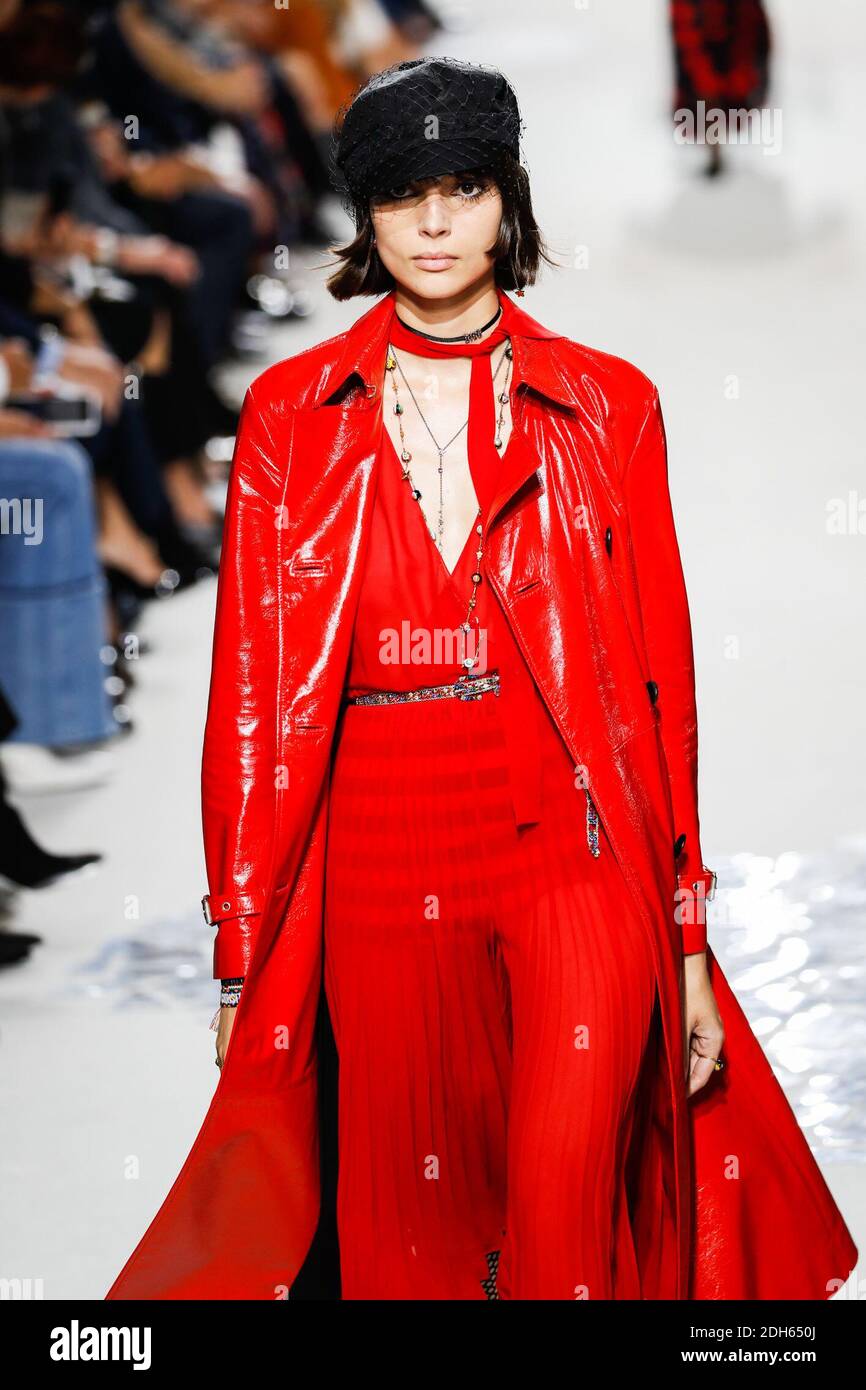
(483, 456)
(517, 700)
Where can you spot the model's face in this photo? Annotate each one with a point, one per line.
(433, 235)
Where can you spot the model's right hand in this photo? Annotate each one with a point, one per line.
(224, 1032)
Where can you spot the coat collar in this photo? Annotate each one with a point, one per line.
(536, 363)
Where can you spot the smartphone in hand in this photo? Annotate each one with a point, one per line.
(75, 415)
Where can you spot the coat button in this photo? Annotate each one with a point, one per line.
(653, 691)
(679, 845)
(608, 540)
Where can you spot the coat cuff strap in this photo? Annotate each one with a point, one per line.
(219, 907)
(704, 882)
(695, 889)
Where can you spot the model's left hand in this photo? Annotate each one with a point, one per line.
(704, 1031)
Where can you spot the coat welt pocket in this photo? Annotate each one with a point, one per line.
(307, 728)
(525, 586)
(310, 565)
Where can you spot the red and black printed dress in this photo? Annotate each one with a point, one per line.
(721, 54)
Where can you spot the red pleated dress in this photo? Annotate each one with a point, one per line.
(489, 984)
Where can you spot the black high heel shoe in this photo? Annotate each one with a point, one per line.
(24, 864)
(16, 946)
(189, 559)
(122, 584)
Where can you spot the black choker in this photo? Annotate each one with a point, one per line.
(460, 338)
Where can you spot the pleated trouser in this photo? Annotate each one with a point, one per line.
(491, 992)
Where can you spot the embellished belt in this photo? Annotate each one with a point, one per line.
(521, 717)
(468, 687)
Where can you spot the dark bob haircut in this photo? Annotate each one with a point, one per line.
(517, 251)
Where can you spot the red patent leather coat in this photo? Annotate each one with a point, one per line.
(727, 1200)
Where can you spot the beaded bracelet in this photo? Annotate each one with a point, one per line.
(230, 992)
(230, 997)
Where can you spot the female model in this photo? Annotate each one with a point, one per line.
(449, 789)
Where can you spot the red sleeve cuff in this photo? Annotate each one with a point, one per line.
(694, 938)
(233, 947)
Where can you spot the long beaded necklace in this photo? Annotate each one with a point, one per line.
(392, 365)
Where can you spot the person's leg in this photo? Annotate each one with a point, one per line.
(122, 451)
(298, 140)
(582, 980)
(417, 1000)
(219, 228)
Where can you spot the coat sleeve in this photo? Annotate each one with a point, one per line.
(668, 639)
(239, 751)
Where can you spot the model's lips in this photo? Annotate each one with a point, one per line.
(434, 262)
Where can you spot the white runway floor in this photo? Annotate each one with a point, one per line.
(741, 299)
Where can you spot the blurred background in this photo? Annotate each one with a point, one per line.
(165, 223)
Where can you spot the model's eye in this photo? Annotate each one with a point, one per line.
(467, 190)
(398, 193)
(470, 189)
